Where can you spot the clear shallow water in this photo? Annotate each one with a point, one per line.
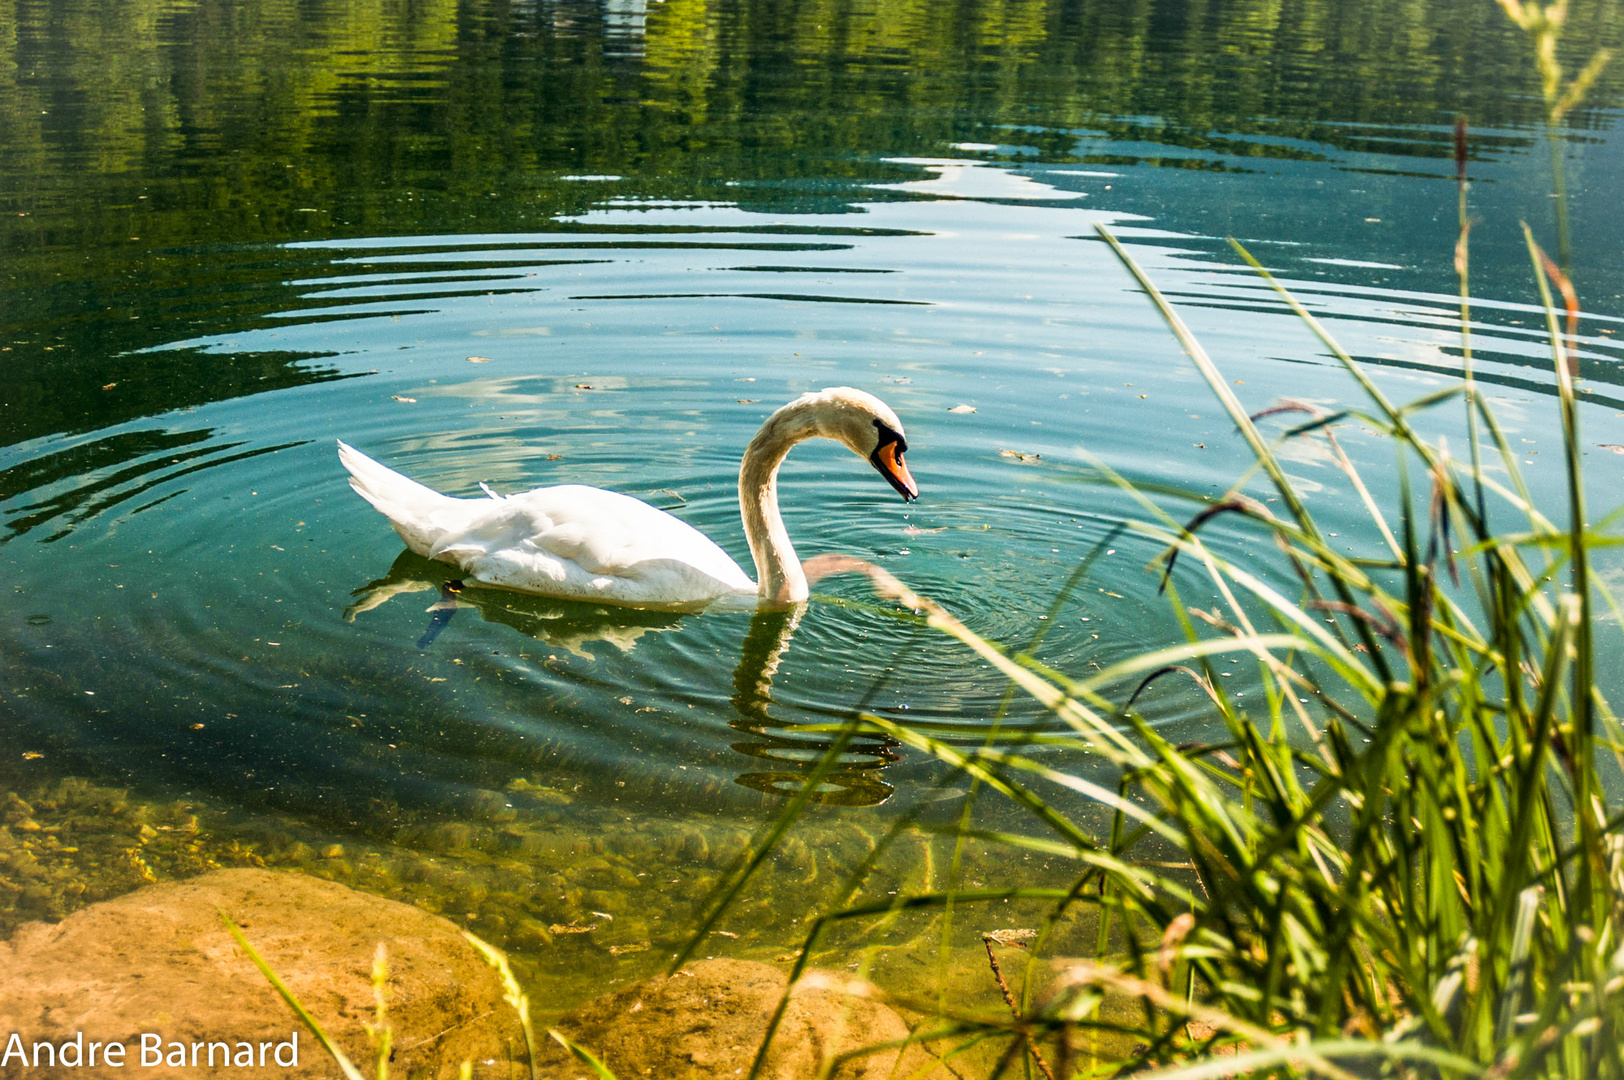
(556, 244)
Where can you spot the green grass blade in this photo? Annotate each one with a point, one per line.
(339, 1057)
(581, 1054)
(512, 993)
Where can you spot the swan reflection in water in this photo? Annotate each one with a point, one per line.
(787, 753)
(792, 752)
(563, 624)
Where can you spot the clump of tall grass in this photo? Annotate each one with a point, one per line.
(1433, 862)
(1409, 860)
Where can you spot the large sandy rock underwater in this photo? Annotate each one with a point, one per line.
(708, 1020)
(158, 964)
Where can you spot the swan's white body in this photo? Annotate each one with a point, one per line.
(573, 541)
(585, 543)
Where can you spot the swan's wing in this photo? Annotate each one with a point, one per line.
(591, 544)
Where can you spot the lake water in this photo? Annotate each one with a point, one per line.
(535, 243)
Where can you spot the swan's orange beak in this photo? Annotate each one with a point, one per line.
(888, 461)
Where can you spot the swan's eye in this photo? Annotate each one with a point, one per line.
(888, 435)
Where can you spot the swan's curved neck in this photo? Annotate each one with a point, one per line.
(779, 577)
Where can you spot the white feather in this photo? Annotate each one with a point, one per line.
(572, 541)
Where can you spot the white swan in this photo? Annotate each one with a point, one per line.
(585, 543)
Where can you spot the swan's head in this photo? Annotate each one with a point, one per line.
(867, 427)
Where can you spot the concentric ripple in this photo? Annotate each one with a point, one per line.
(199, 595)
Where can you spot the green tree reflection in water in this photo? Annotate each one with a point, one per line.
(273, 120)
(152, 148)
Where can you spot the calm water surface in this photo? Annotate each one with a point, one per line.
(532, 243)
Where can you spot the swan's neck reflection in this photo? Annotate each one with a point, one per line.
(763, 650)
(793, 751)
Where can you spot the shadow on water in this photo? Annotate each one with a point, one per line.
(130, 219)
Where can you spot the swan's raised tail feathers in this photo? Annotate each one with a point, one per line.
(418, 513)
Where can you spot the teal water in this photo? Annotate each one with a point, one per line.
(525, 244)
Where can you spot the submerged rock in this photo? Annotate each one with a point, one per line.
(708, 1020)
(159, 964)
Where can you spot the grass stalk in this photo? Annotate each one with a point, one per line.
(383, 1036)
(1543, 23)
(581, 1054)
(340, 1059)
(512, 993)
(1401, 857)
